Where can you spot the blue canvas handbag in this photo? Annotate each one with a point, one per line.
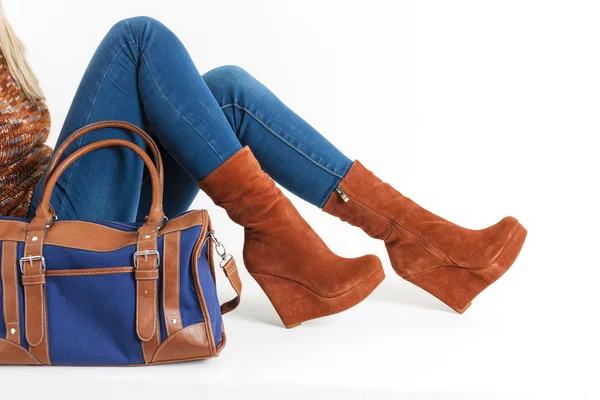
(110, 293)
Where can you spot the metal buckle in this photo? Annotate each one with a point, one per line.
(31, 259)
(146, 253)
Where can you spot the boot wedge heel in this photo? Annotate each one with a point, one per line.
(279, 242)
(295, 303)
(457, 287)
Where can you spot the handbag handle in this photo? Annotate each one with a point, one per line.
(60, 150)
(33, 265)
(155, 215)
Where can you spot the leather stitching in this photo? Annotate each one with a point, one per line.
(23, 350)
(8, 266)
(195, 255)
(177, 270)
(169, 312)
(171, 338)
(91, 272)
(200, 222)
(18, 322)
(165, 272)
(45, 324)
(145, 339)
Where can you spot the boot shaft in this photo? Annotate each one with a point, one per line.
(416, 238)
(365, 201)
(301, 276)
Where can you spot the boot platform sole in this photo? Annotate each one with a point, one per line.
(295, 303)
(457, 287)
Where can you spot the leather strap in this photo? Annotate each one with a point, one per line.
(10, 292)
(229, 267)
(146, 261)
(34, 282)
(155, 216)
(60, 150)
(171, 282)
(232, 274)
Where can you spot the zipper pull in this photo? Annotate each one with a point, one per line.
(342, 194)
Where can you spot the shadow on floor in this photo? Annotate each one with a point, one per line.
(394, 290)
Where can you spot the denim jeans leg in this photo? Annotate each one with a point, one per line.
(290, 150)
(140, 73)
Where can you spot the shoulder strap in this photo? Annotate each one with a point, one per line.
(232, 274)
(229, 267)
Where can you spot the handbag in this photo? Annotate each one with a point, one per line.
(111, 293)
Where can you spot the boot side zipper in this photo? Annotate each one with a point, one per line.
(341, 193)
(428, 246)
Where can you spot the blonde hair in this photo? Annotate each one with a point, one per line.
(13, 51)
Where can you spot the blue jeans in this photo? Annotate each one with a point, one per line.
(142, 73)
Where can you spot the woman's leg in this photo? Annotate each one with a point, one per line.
(141, 73)
(290, 150)
(453, 263)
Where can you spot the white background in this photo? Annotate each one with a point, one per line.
(475, 109)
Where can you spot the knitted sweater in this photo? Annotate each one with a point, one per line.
(24, 127)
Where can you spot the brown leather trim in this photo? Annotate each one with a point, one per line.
(60, 150)
(151, 275)
(146, 276)
(29, 280)
(201, 299)
(42, 351)
(147, 290)
(232, 274)
(13, 354)
(149, 348)
(155, 216)
(87, 272)
(95, 237)
(10, 292)
(189, 343)
(223, 341)
(36, 317)
(13, 230)
(171, 282)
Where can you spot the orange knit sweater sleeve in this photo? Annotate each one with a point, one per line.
(24, 127)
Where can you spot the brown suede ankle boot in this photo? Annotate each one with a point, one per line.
(301, 276)
(452, 263)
